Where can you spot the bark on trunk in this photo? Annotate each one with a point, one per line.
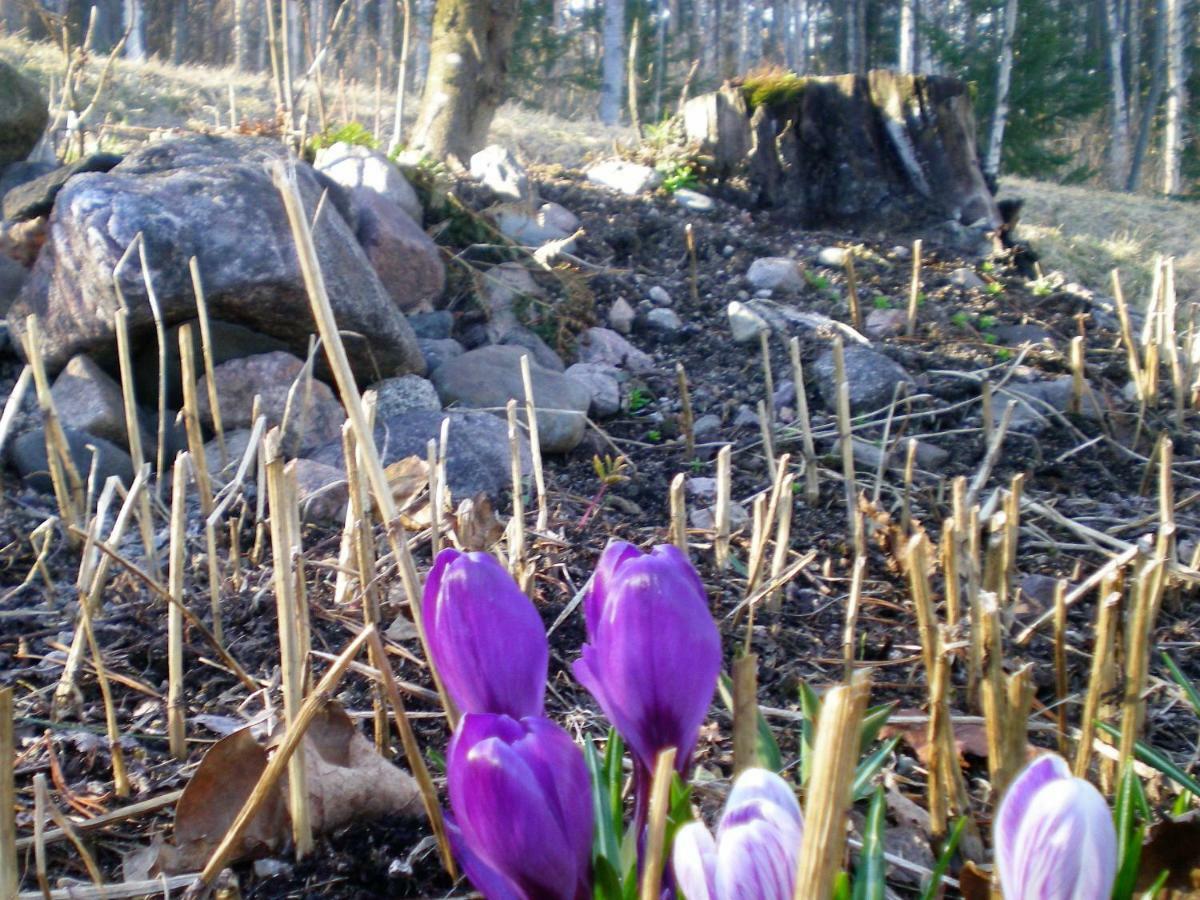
(1118, 158)
(468, 69)
(614, 61)
(908, 33)
(991, 165)
(886, 149)
(1157, 79)
(135, 46)
(1176, 88)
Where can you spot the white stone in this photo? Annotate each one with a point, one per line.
(497, 169)
(621, 316)
(775, 273)
(355, 167)
(659, 296)
(694, 200)
(745, 324)
(834, 257)
(628, 178)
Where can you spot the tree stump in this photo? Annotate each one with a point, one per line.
(884, 148)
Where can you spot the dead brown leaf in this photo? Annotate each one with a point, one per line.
(974, 883)
(1173, 846)
(970, 739)
(475, 524)
(409, 481)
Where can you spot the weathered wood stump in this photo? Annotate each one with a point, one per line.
(881, 149)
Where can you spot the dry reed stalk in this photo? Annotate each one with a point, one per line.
(160, 334)
(1019, 699)
(292, 653)
(535, 447)
(1166, 493)
(12, 405)
(46, 806)
(435, 514)
(995, 697)
(335, 351)
(1132, 357)
(656, 824)
(105, 820)
(910, 463)
(835, 756)
(1102, 676)
(745, 710)
(812, 478)
(412, 750)
(1060, 665)
(783, 534)
(191, 418)
(768, 439)
(916, 559)
(176, 562)
(949, 554)
(764, 344)
(206, 347)
(362, 548)
(975, 606)
(721, 510)
(849, 629)
(678, 513)
(9, 882)
(987, 411)
(516, 525)
(759, 531)
(846, 438)
(765, 516)
(939, 716)
(1109, 570)
(68, 488)
(989, 460)
(852, 291)
(686, 416)
(133, 430)
(1075, 405)
(693, 278)
(1147, 594)
(885, 444)
(313, 704)
(914, 290)
(41, 800)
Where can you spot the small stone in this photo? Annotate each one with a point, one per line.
(694, 200)
(707, 424)
(872, 378)
(883, 323)
(628, 178)
(664, 321)
(433, 325)
(603, 383)
(834, 257)
(744, 323)
(764, 294)
(702, 488)
(554, 215)
(705, 517)
(321, 490)
(504, 285)
(775, 273)
(659, 296)
(621, 316)
(966, 278)
(437, 352)
(403, 393)
(727, 251)
(605, 346)
(901, 252)
(745, 417)
(271, 868)
(497, 169)
(518, 223)
(88, 399)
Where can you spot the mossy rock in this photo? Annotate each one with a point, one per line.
(23, 115)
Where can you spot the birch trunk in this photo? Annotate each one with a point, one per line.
(1157, 79)
(401, 77)
(240, 58)
(908, 33)
(1176, 98)
(135, 46)
(1118, 159)
(614, 60)
(991, 165)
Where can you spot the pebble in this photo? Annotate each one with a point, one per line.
(621, 316)
(694, 200)
(664, 321)
(834, 257)
(659, 296)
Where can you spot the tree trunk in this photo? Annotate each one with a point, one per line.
(240, 53)
(991, 166)
(878, 150)
(1118, 159)
(908, 34)
(135, 46)
(468, 69)
(1176, 98)
(614, 59)
(1150, 106)
(397, 140)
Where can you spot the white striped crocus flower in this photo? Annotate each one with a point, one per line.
(755, 849)
(1053, 836)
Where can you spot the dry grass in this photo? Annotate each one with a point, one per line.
(1086, 232)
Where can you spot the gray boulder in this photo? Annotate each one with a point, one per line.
(36, 197)
(871, 375)
(23, 115)
(605, 347)
(394, 396)
(489, 377)
(477, 455)
(211, 198)
(604, 384)
(13, 276)
(28, 456)
(437, 352)
(87, 398)
(359, 168)
(406, 259)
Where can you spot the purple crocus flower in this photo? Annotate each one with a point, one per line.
(520, 799)
(756, 847)
(485, 636)
(653, 651)
(1054, 837)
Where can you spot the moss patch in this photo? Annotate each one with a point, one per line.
(772, 88)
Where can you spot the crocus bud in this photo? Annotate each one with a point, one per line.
(521, 804)
(754, 853)
(1054, 837)
(653, 651)
(486, 639)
